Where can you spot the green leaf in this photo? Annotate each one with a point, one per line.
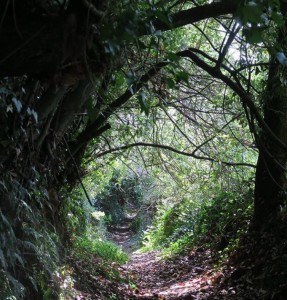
(9, 108)
(4, 91)
(251, 12)
(25, 206)
(112, 47)
(141, 45)
(34, 283)
(173, 57)
(19, 259)
(182, 76)
(143, 103)
(277, 18)
(253, 35)
(164, 17)
(48, 294)
(170, 83)
(31, 112)
(29, 246)
(2, 182)
(4, 220)
(130, 78)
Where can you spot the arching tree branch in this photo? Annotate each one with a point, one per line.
(160, 146)
(92, 129)
(245, 98)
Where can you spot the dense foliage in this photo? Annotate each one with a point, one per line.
(189, 96)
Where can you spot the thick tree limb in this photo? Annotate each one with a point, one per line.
(41, 51)
(199, 13)
(76, 146)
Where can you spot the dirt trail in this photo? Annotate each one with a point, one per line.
(188, 277)
(122, 234)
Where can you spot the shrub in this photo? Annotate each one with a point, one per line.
(224, 219)
(217, 222)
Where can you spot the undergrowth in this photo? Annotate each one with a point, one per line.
(106, 250)
(217, 223)
(92, 261)
(29, 244)
(92, 268)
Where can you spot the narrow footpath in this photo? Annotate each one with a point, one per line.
(188, 277)
(196, 275)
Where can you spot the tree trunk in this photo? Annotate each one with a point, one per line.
(270, 180)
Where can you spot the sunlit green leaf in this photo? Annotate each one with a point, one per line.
(182, 76)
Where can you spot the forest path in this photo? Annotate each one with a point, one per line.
(187, 277)
(122, 234)
(191, 276)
